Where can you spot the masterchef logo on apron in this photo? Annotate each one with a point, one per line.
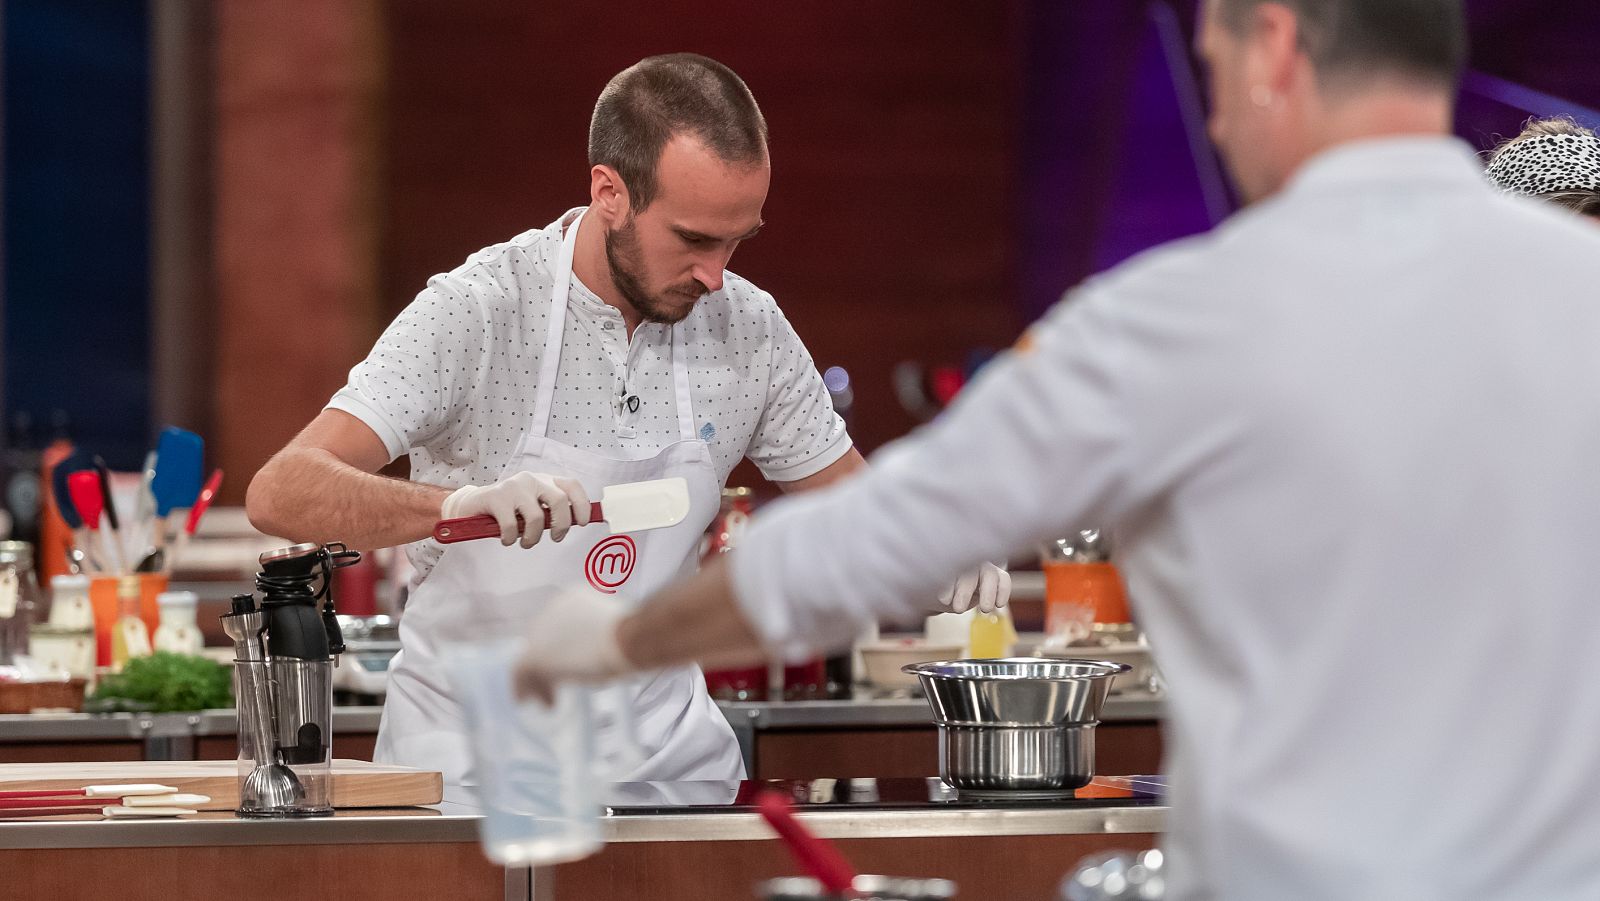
(610, 563)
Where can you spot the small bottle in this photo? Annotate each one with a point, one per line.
(66, 642)
(178, 632)
(70, 607)
(993, 635)
(129, 637)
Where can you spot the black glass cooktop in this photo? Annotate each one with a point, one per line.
(644, 798)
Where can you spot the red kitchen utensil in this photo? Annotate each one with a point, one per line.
(94, 791)
(201, 505)
(630, 507)
(66, 804)
(816, 856)
(109, 812)
(84, 488)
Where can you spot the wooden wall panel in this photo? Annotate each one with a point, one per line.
(297, 97)
(890, 222)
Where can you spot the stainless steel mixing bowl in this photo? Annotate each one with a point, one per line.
(1016, 726)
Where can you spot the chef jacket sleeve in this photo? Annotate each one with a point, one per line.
(800, 434)
(415, 384)
(1028, 450)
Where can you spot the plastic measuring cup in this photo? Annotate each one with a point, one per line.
(538, 770)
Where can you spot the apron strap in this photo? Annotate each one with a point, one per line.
(680, 383)
(550, 363)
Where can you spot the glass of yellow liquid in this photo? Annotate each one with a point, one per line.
(992, 634)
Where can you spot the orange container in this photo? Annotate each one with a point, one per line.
(103, 597)
(1097, 586)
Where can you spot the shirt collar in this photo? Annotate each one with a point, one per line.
(584, 299)
(1391, 162)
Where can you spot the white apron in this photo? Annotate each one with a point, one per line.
(482, 590)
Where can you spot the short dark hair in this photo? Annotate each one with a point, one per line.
(1349, 39)
(661, 96)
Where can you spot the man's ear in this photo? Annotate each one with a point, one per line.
(1274, 51)
(608, 196)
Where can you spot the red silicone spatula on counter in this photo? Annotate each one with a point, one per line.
(126, 790)
(630, 507)
(817, 857)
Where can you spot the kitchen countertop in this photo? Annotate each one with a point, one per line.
(456, 818)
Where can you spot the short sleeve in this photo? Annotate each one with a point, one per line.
(799, 434)
(413, 388)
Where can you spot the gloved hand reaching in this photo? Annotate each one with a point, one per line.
(570, 639)
(529, 494)
(987, 587)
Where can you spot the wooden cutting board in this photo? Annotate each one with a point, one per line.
(356, 783)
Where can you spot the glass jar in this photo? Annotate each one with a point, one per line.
(1082, 587)
(21, 602)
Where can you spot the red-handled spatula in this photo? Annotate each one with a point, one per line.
(630, 507)
(84, 487)
(817, 857)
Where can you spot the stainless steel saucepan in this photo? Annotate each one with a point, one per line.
(1016, 726)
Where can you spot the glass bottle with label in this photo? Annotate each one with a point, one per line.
(129, 637)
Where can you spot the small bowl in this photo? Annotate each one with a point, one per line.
(885, 663)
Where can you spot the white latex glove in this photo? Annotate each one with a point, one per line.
(570, 639)
(528, 494)
(987, 587)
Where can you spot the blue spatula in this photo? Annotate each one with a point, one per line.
(180, 458)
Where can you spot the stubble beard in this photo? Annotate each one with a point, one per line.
(625, 260)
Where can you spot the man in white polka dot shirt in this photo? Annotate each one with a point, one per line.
(610, 346)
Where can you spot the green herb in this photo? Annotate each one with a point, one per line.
(165, 682)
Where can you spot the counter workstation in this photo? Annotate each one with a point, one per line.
(693, 840)
(868, 736)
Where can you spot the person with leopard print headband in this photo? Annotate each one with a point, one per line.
(1554, 159)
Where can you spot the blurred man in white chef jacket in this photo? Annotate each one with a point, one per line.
(1352, 454)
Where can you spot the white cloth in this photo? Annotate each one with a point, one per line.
(480, 591)
(449, 380)
(1349, 442)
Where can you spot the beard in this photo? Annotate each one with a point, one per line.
(625, 259)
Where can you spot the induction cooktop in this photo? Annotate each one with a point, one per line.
(644, 798)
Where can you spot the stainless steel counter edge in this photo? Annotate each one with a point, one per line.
(742, 714)
(449, 822)
(442, 823)
(707, 827)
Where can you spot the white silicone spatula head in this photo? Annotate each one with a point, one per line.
(637, 506)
